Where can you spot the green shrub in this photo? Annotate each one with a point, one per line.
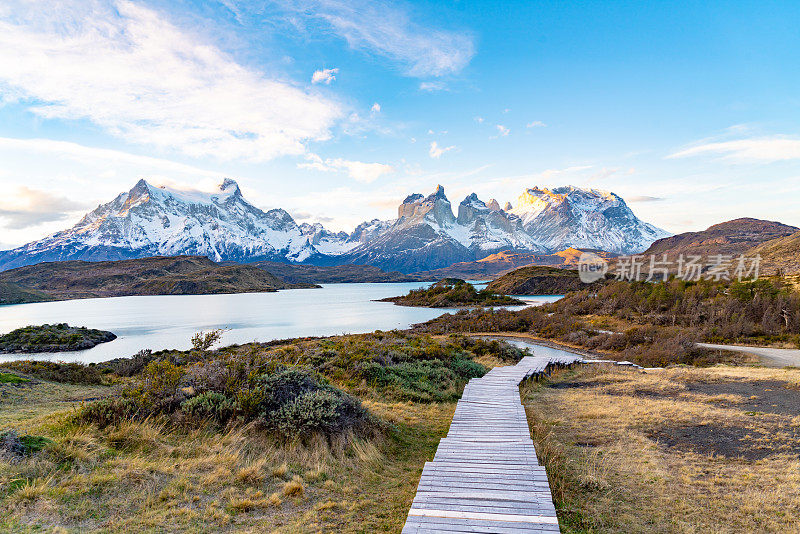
(210, 405)
(108, 412)
(326, 411)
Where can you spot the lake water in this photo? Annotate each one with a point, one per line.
(535, 348)
(168, 322)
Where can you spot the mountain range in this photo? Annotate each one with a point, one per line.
(427, 234)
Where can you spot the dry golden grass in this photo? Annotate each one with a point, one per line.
(294, 488)
(622, 451)
(147, 476)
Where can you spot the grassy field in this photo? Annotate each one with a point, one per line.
(679, 450)
(146, 477)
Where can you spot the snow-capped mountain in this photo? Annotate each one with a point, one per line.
(427, 235)
(150, 221)
(583, 218)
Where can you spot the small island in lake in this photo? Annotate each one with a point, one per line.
(53, 338)
(452, 293)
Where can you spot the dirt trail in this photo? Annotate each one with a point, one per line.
(770, 356)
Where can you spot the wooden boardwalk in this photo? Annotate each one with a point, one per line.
(485, 476)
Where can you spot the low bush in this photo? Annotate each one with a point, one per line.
(69, 373)
(289, 402)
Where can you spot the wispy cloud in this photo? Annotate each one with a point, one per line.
(761, 149)
(325, 76)
(127, 69)
(535, 124)
(502, 131)
(376, 108)
(22, 207)
(385, 29)
(643, 198)
(436, 151)
(357, 170)
(87, 154)
(432, 87)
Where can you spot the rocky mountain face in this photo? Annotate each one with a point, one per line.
(427, 234)
(583, 218)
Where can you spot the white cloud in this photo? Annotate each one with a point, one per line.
(357, 170)
(87, 154)
(432, 87)
(384, 28)
(376, 108)
(535, 124)
(763, 149)
(325, 76)
(643, 198)
(502, 131)
(22, 207)
(125, 68)
(479, 120)
(436, 151)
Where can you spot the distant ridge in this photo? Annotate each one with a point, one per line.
(175, 275)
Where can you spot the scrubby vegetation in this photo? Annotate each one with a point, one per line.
(303, 435)
(653, 324)
(452, 293)
(287, 402)
(53, 338)
(68, 373)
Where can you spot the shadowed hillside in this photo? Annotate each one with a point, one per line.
(179, 275)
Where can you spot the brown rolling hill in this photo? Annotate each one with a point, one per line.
(732, 237)
(780, 255)
(173, 275)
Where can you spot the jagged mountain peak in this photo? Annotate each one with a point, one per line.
(578, 217)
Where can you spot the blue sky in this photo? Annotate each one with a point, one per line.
(337, 110)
